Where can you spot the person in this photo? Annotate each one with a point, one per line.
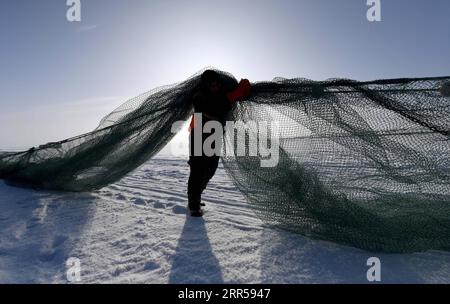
(212, 102)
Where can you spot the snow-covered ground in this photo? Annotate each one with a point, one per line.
(137, 231)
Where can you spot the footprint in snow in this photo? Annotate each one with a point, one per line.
(179, 210)
(138, 201)
(120, 196)
(158, 205)
(150, 266)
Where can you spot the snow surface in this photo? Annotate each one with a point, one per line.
(137, 231)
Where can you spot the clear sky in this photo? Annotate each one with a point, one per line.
(57, 78)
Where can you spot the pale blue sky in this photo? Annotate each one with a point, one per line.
(57, 79)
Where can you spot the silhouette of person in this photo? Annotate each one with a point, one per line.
(212, 102)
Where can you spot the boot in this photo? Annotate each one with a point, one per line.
(196, 212)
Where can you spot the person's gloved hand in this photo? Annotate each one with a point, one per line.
(241, 92)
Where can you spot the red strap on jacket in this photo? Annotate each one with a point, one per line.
(241, 92)
(192, 124)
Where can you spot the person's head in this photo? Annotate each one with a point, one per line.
(211, 81)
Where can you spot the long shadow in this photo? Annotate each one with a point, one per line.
(194, 261)
(39, 232)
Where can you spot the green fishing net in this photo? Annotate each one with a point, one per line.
(364, 164)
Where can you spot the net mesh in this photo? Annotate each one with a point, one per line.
(360, 163)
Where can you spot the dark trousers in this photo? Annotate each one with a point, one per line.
(203, 169)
